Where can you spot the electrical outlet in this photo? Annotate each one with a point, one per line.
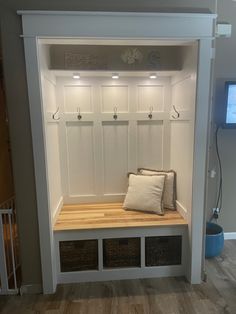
(215, 210)
(212, 173)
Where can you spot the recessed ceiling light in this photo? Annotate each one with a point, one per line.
(76, 76)
(153, 76)
(115, 76)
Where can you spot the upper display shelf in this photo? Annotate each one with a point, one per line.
(115, 58)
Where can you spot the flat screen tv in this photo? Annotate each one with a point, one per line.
(230, 110)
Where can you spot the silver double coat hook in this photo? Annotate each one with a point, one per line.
(177, 113)
(79, 115)
(150, 112)
(115, 116)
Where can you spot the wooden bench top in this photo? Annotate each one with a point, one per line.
(111, 215)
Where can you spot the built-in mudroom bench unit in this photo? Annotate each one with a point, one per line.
(119, 107)
(104, 242)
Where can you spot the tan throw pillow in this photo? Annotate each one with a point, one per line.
(169, 194)
(145, 193)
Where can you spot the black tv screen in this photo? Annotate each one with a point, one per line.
(230, 116)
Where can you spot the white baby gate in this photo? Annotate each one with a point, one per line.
(9, 258)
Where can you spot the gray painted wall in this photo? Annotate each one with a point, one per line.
(17, 101)
(225, 69)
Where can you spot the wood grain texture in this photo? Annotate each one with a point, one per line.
(146, 296)
(222, 271)
(111, 215)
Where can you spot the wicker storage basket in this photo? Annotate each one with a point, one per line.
(120, 253)
(164, 250)
(79, 255)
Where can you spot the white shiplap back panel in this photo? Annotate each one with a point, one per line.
(115, 157)
(150, 144)
(80, 158)
(150, 96)
(115, 96)
(78, 96)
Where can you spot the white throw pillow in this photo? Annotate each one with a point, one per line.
(169, 194)
(145, 193)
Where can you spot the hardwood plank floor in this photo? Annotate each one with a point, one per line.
(146, 296)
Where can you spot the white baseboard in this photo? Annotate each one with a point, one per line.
(31, 289)
(57, 211)
(182, 210)
(230, 235)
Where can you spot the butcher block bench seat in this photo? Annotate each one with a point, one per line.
(111, 215)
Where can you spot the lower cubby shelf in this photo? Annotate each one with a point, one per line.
(78, 255)
(163, 251)
(121, 253)
(82, 255)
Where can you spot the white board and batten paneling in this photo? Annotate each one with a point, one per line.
(97, 150)
(76, 97)
(114, 95)
(80, 158)
(115, 157)
(183, 87)
(111, 28)
(49, 102)
(150, 144)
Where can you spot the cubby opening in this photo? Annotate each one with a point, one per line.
(163, 250)
(78, 255)
(121, 253)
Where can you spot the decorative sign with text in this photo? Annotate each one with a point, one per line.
(115, 58)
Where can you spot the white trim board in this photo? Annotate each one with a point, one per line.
(112, 13)
(112, 42)
(31, 289)
(57, 210)
(118, 25)
(121, 274)
(182, 210)
(230, 235)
